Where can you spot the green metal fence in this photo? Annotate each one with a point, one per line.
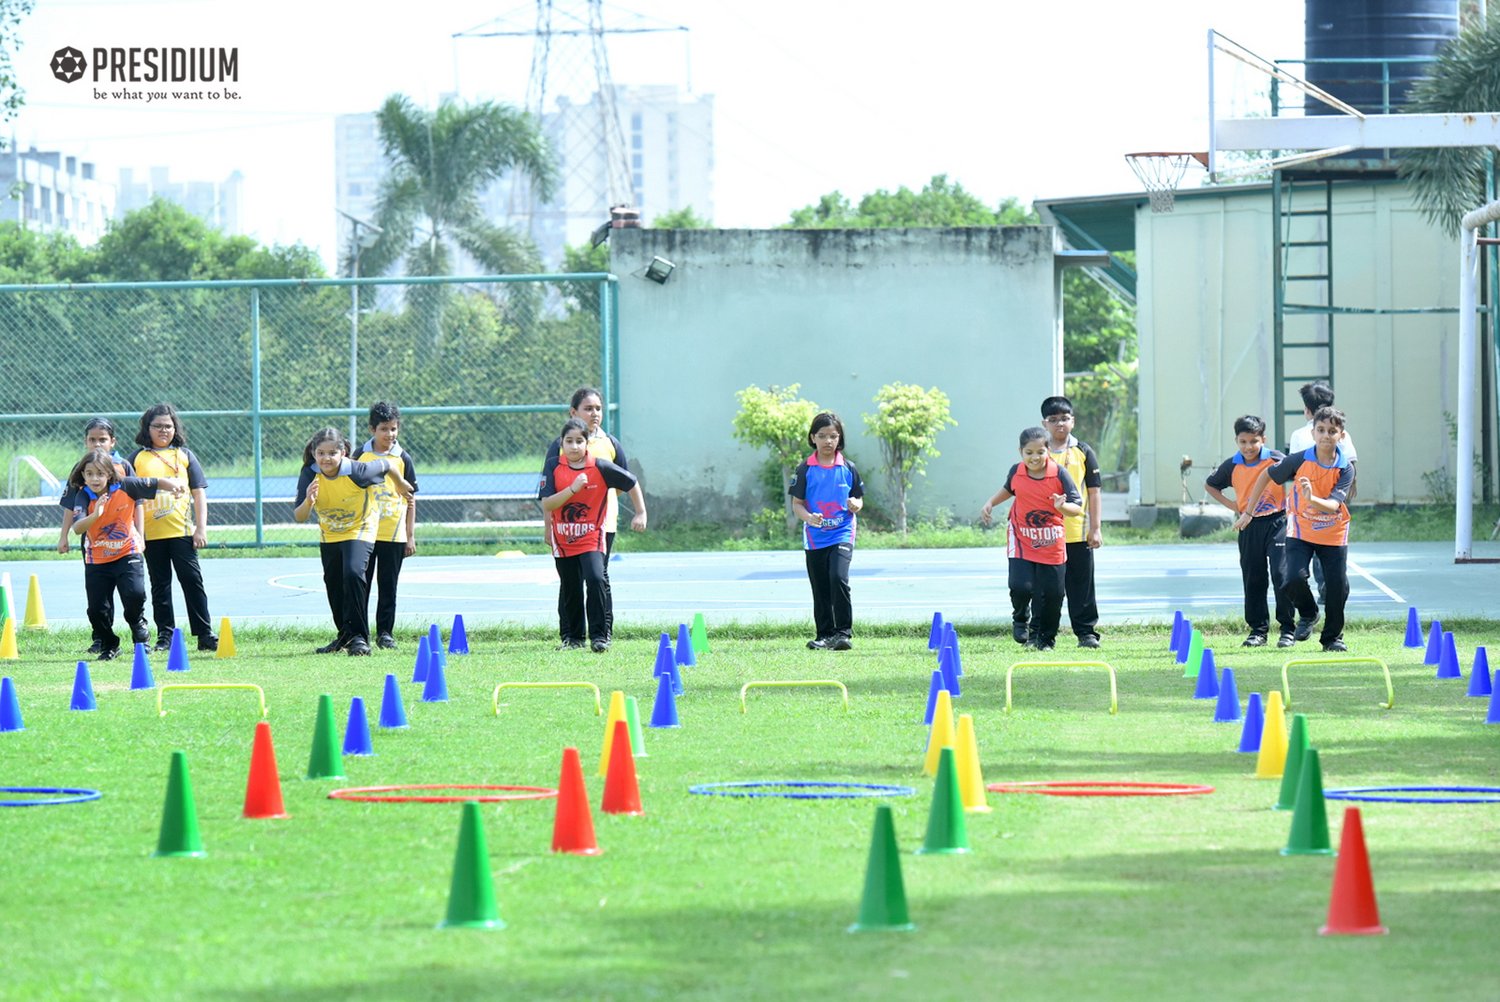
(482, 369)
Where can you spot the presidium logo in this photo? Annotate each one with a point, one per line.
(191, 73)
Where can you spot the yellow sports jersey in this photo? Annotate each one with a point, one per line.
(346, 510)
(167, 517)
(389, 503)
(1078, 459)
(601, 446)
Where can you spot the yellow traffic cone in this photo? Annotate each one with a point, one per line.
(616, 712)
(941, 734)
(36, 615)
(1271, 759)
(8, 650)
(226, 639)
(970, 776)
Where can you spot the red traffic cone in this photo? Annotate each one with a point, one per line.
(1351, 909)
(573, 825)
(263, 789)
(621, 794)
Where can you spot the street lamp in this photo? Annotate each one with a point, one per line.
(360, 242)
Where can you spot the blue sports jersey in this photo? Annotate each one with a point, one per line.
(826, 490)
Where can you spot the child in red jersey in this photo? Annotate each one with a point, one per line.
(104, 514)
(1044, 493)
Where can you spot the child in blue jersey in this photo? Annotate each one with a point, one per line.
(826, 495)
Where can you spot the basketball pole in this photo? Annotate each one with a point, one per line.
(1468, 283)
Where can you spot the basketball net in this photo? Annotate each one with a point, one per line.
(1161, 173)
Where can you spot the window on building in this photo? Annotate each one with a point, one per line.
(356, 189)
(636, 121)
(635, 141)
(635, 161)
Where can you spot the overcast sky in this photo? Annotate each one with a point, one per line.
(1007, 98)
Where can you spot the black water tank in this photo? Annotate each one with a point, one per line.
(1373, 29)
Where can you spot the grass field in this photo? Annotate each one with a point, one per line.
(710, 897)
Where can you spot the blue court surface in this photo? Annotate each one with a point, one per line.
(1136, 584)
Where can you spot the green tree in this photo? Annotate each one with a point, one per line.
(776, 419)
(29, 257)
(681, 219)
(940, 203)
(12, 96)
(907, 421)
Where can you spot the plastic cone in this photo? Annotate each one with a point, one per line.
(1434, 644)
(947, 832)
(616, 713)
(458, 639)
(1207, 686)
(7, 597)
(1185, 645)
(435, 689)
(684, 653)
(325, 761)
(8, 651)
(948, 665)
(1176, 640)
(637, 736)
(1352, 910)
(676, 676)
(1479, 675)
(1291, 776)
(392, 712)
(664, 710)
(1448, 661)
(434, 644)
(1309, 835)
(1255, 722)
(573, 824)
(1228, 709)
(1194, 655)
(357, 730)
(1413, 629)
(10, 706)
(263, 787)
(424, 660)
(36, 614)
(140, 670)
(622, 795)
(950, 639)
(1493, 717)
(700, 634)
(177, 658)
(226, 639)
(665, 657)
(83, 689)
(882, 908)
(936, 686)
(1271, 761)
(941, 735)
(471, 900)
(970, 775)
(935, 634)
(179, 817)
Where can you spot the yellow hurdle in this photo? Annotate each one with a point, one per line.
(1286, 689)
(1114, 697)
(598, 704)
(161, 692)
(794, 684)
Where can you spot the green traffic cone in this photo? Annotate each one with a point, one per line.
(947, 832)
(327, 762)
(179, 817)
(1195, 656)
(471, 902)
(699, 635)
(883, 907)
(1309, 836)
(633, 723)
(1291, 773)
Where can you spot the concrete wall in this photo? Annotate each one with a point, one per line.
(842, 312)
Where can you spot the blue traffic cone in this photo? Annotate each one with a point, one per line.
(140, 670)
(1184, 643)
(177, 659)
(1448, 662)
(676, 677)
(458, 640)
(1176, 640)
(83, 689)
(1228, 709)
(936, 687)
(392, 712)
(1493, 717)
(1434, 644)
(435, 690)
(10, 707)
(665, 657)
(434, 642)
(1479, 675)
(948, 665)
(664, 710)
(424, 661)
(950, 638)
(684, 656)
(1208, 680)
(935, 635)
(1255, 722)
(1413, 628)
(357, 731)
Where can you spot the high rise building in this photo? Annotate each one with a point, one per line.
(217, 203)
(52, 192)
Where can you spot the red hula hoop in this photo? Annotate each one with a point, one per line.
(373, 794)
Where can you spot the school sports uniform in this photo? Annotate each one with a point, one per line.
(169, 542)
(1311, 533)
(1083, 467)
(825, 491)
(576, 531)
(1036, 543)
(601, 445)
(1263, 541)
(389, 549)
(347, 519)
(112, 559)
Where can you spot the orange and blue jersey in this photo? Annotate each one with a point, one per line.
(1035, 528)
(1334, 482)
(826, 490)
(112, 537)
(1240, 475)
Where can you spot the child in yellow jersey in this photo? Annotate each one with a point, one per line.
(175, 529)
(396, 535)
(342, 493)
(1081, 531)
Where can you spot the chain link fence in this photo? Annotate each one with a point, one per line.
(482, 370)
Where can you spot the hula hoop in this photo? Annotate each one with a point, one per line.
(373, 794)
(1362, 793)
(69, 796)
(1087, 788)
(789, 789)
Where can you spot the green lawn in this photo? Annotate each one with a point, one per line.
(705, 897)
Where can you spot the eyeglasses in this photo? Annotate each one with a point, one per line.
(162, 427)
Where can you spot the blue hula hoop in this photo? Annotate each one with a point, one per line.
(70, 796)
(788, 789)
(1363, 793)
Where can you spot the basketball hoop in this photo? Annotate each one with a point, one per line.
(1161, 173)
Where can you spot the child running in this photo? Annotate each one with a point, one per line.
(827, 494)
(99, 433)
(341, 491)
(396, 535)
(104, 515)
(1044, 494)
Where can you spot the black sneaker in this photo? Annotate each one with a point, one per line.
(359, 647)
(110, 654)
(840, 644)
(1305, 628)
(1335, 646)
(571, 645)
(600, 646)
(163, 643)
(1286, 640)
(385, 642)
(1089, 640)
(820, 644)
(1255, 640)
(338, 643)
(1041, 645)
(94, 648)
(208, 642)
(1020, 632)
